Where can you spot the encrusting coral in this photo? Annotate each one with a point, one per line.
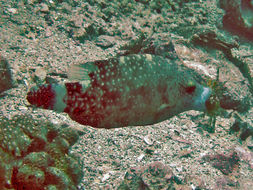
(35, 155)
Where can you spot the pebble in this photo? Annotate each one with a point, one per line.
(40, 73)
(44, 7)
(6, 81)
(105, 41)
(23, 109)
(48, 32)
(13, 10)
(140, 157)
(106, 176)
(148, 140)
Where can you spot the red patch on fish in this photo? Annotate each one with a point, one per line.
(43, 97)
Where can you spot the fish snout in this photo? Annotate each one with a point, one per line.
(202, 102)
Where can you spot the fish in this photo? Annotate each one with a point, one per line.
(132, 90)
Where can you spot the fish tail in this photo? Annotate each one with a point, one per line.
(48, 96)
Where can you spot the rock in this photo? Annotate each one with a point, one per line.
(232, 77)
(44, 8)
(224, 182)
(13, 10)
(105, 177)
(70, 134)
(40, 75)
(148, 140)
(245, 155)
(140, 157)
(241, 125)
(153, 176)
(225, 163)
(185, 153)
(233, 19)
(104, 41)
(5, 75)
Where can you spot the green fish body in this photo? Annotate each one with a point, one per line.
(129, 90)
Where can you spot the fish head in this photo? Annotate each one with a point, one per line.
(193, 95)
(183, 93)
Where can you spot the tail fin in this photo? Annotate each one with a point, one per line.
(48, 96)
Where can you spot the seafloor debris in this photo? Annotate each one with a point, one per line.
(153, 176)
(240, 124)
(212, 40)
(155, 44)
(34, 155)
(235, 19)
(5, 75)
(225, 163)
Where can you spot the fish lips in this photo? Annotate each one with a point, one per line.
(200, 103)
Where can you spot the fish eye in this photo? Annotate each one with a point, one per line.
(190, 88)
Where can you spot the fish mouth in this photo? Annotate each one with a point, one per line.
(204, 98)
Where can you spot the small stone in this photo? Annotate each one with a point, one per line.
(148, 140)
(105, 41)
(250, 145)
(245, 155)
(153, 176)
(140, 157)
(23, 108)
(5, 75)
(48, 32)
(13, 10)
(44, 8)
(225, 163)
(179, 169)
(40, 74)
(105, 177)
(30, 2)
(185, 153)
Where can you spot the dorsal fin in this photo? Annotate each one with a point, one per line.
(81, 71)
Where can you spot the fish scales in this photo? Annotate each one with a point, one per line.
(125, 91)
